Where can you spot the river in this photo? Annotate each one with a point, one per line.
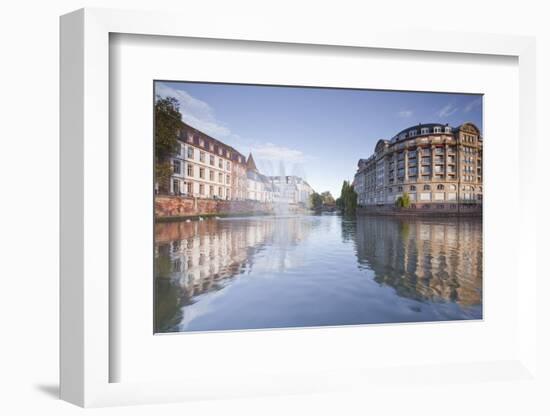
(315, 270)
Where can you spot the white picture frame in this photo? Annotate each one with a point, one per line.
(85, 216)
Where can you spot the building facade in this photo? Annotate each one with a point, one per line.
(439, 167)
(203, 166)
(259, 186)
(291, 189)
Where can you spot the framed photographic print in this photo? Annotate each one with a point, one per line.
(281, 212)
(288, 227)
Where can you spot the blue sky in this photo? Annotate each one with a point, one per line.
(317, 133)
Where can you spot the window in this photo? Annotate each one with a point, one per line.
(176, 186)
(211, 190)
(220, 163)
(424, 130)
(452, 187)
(390, 190)
(220, 191)
(227, 179)
(212, 175)
(177, 166)
(202, 156)
(201, 189)
(399, 189)
(437, 129)
(211, 147)
(189, 170)
(426, 187)
(228, 165)
(447, 129)
(440, 187)
(220, 178)
(412, 188)
(212, 160)
(201, 173)
(190, 188)
(201, 142)
(190, 152)
(220, 151)
(182, 150)
(412, 133)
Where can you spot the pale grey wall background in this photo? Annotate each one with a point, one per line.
(29, 194)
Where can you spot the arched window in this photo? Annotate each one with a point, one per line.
(452, 187)
(426, 187)
(440, 187)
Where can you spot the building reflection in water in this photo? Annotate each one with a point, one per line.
(193, 258)
(315, 270)
(423, 259)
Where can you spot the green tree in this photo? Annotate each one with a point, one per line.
(167, 127)
(328, 199)
(348, 199)
(403, 201)
(316, 201)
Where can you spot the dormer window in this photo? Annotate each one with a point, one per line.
(447, 129)
(437, 129)
(412, 133)
(424, 130)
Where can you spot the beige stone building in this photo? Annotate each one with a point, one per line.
(438, 166)
(203, 166)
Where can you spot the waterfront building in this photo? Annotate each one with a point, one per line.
(205, 167)
(259, 186)
(291, 189)
(239, 182)
(438, 166)
(202, 167)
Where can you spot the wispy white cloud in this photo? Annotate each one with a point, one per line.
(472, 104)
(273, 152)
(201, 115)
(195, 112)
(405, 113)
(447, 110)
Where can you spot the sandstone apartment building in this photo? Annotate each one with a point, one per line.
(438, 166)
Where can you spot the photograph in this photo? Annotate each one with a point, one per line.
(299, 207)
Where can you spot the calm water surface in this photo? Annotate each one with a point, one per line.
(271, 272)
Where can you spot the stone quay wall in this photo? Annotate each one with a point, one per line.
(432, 210)
(175, 207)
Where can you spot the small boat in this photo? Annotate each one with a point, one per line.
(201, 219)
